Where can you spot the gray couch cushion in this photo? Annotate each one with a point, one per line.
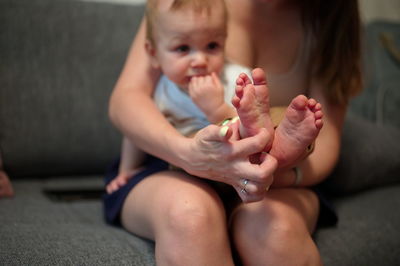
(369, 157)
(59, 62)
(38, 231)
(367, 232)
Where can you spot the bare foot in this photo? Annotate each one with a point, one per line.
(6, 189)
(298, 129)
(121, 180)
(251, 101)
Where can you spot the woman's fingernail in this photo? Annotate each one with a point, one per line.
(225, 122)
(223, 131)
(267, 188)
(236, 118)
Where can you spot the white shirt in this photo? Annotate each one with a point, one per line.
(181, 111)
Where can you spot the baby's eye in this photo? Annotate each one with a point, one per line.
(213, 46)
(182, 48)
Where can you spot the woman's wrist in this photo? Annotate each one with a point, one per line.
(200, 155)
(174, 147)
(182, 152)
(292, 177)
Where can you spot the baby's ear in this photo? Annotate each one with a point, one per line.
(151, 51)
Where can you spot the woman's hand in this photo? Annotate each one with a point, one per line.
(218, 154)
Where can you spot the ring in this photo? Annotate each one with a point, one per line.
(298, 176)
(245, 182)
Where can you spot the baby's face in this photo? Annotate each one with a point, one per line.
(189, 43)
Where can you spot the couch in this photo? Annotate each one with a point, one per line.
(59, 60)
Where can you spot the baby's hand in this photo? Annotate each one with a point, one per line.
(207, 93)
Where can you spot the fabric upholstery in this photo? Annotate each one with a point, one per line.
(38, 231)
(58, 67)
(369, 157)
(367, 232)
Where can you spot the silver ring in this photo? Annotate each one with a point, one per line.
(299, 176)
(245, 182)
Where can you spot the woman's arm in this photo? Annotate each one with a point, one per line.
(132, 109)
(320, 163)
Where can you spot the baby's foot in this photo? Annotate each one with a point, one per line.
(252, 104)
(298, 129)
(6, 189)
(121, 180)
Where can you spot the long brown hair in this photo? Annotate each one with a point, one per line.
(336, 57)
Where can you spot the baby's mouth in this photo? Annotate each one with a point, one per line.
(197, 75)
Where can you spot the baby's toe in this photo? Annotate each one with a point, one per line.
(318, 114)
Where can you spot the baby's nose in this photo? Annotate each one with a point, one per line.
(199, 60)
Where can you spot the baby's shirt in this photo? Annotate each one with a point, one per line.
(181, 111)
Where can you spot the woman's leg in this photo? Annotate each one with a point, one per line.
(183, 215)
(277, 230)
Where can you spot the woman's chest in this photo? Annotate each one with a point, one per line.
(281, 57)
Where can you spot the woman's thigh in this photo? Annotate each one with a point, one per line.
(157, 200)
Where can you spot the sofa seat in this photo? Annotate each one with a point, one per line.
(37, 228)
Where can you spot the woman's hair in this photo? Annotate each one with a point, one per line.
(196, 5)
(336, 58)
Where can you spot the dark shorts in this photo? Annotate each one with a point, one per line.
(113, 202)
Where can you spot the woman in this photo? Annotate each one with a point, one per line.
(305, 47)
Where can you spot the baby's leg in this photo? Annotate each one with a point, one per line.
(252, 104)
(131, 160)
(298, 129)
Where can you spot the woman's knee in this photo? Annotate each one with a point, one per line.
(277, 230)
(180, 213)
(195, 217)
(261, 222)
(194, 212)
(170, 201)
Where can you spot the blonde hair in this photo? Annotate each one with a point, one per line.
(195, 5)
